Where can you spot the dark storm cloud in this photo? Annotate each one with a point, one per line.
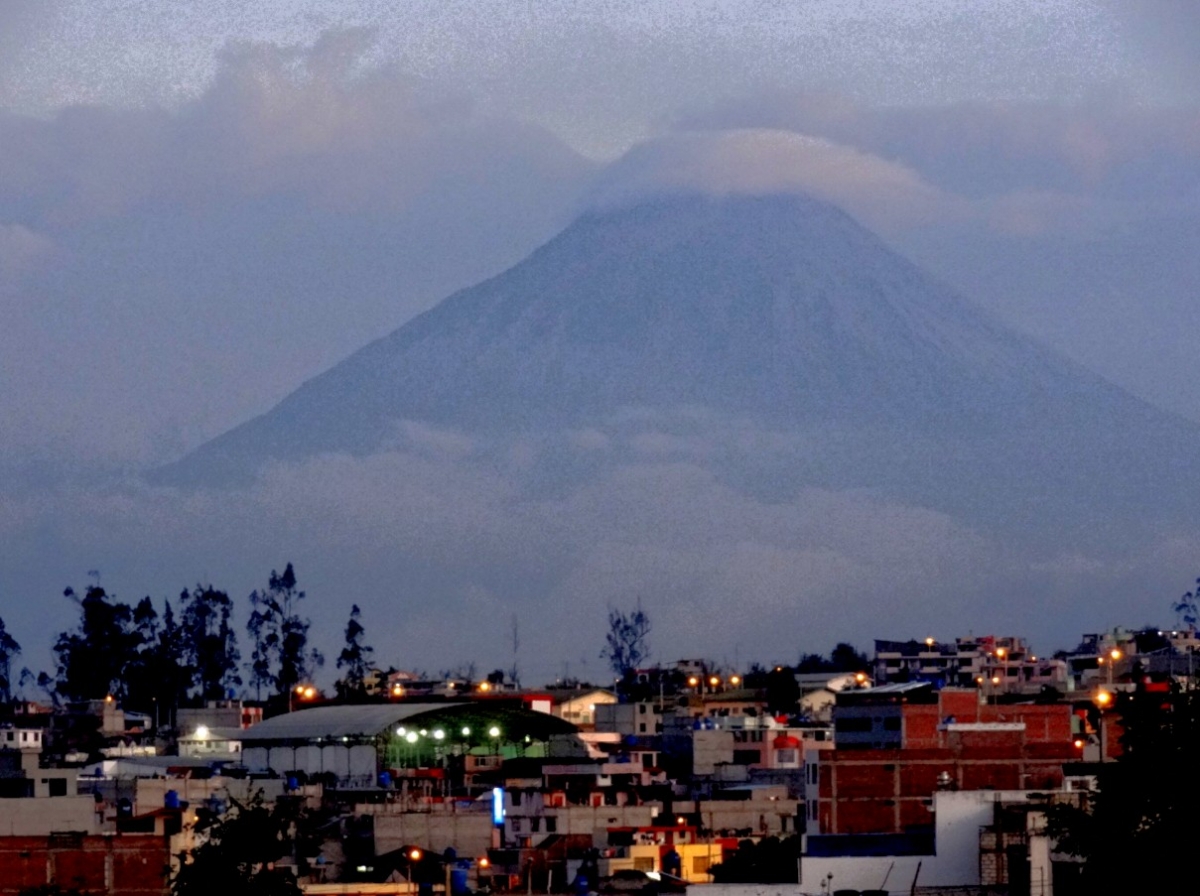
(169, 271)
(201, 262)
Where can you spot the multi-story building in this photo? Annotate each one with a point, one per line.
(896, 745)
(994, 663)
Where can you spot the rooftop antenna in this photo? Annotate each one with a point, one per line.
(514, 673)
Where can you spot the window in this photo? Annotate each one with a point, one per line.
(535, 825)
(551, 824)
(700, 864)
(516, 797)
(641, 709)
(852, 725)
(58, 787)
(786, 757)
(891, 723)
(642, 728)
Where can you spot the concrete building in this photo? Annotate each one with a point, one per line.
(969, 845)
(643, 718)
(579, 706)
(999, 664)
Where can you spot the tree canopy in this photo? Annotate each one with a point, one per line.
(626, 644)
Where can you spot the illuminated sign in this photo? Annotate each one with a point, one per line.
(498, 806)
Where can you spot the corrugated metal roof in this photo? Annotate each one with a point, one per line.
(338, 721)
(900, 687)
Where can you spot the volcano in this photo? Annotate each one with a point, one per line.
(776, 314)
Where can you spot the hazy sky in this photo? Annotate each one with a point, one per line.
(204, 204)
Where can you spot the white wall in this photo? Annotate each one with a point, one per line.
(959, 816)
(34, 817)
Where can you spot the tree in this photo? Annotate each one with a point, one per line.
(1141, 818)
(263, 630)
(355, 658)
(236, 853)
(782, 691)
(9, 650)
(210, 642)
(281, 658)
(1186, 607)
(92, 660)
(626, 645)
(843, 658)
(161, 674)
(141, 684)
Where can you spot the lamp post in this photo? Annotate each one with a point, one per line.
(1103, 701)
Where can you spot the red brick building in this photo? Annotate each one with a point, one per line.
(907, 741)
(117, 865)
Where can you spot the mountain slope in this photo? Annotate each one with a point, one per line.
(779, 310)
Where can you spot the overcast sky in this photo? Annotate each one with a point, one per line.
(204, 204)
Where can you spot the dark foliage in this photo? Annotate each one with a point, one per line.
(210, 641)
(92, 659)
(627, 643)
(281, 658)
(355, 658)
(237, 852)
(1143, 818)
(769, 861)
(781, 690)
(843, 658)
(9, 650)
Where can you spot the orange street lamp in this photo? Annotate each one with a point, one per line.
(693, 681)
(485, 686)
(713, 681)
(735, 680)
(414, 854)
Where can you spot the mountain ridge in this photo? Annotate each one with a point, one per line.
(778, 308)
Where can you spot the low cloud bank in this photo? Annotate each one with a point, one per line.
(441, 544)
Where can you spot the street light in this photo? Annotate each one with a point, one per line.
(1103, 701)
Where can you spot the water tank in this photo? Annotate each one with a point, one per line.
(171, 799)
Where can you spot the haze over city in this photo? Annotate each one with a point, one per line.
(201, 210)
